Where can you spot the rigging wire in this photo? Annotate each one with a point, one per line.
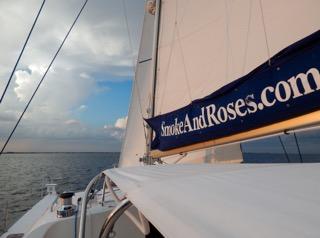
(21, 53)
(184, 65)
(168, 64)
(43, 77)
(247, 39)
(136, 82)
(172, 44)
(298, 147)
(284, 149)
(265, 32)
(125, 13)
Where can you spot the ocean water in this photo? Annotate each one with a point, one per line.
(22, 177)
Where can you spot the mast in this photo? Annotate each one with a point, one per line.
(154, 74)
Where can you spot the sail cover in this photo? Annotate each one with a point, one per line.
(235, 200)
(284, 87)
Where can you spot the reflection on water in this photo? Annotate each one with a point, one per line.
(22, 177)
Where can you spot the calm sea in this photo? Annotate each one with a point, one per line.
(22, 176)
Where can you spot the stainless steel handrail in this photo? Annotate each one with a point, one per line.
(140, 222)
(113, 194)
(107, 226)
(85, 200)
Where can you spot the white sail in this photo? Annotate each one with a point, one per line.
(134, 145)
(206, 44)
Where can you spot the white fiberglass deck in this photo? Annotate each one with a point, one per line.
(232, 200)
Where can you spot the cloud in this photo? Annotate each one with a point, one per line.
(25, 80)
(121, 123)
(83, 108)
(118, 129)
(98, 45)
(8, 116)
(114, 132)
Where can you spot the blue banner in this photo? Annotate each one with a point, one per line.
(287, 87)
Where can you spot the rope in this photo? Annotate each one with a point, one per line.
(265, 32)
(43, 77)
(24, 46)
(284, 149)
(137, 87)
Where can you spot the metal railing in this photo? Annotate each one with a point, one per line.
(107, 227)
(85, 200)
(140, 222)
(122, 205)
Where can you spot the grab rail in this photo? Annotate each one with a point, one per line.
(113, 194)
(122, 205)
(85, 200)
(107, 226)
(140, 222)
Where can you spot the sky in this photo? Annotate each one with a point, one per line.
(83, 102)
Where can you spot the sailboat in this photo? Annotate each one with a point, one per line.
(209, 76)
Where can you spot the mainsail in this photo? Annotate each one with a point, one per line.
(281, 94)
(205, 45)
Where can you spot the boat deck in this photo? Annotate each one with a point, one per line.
(226, 200)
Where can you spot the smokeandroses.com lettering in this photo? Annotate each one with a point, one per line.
(295, 87)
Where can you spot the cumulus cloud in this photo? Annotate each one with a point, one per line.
(118, 129)
(121, 123)
(114, 132)
(25, 80)
(98, 45)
